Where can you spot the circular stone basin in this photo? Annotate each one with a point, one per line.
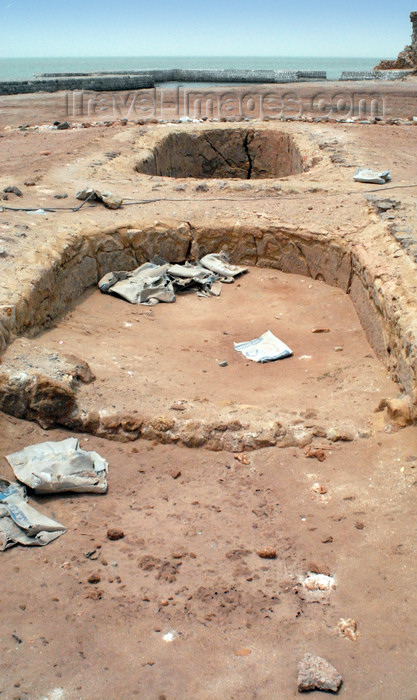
(224, 153)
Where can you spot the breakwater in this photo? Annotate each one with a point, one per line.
(135, 80)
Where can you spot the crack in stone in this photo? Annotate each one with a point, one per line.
(248, 155)
(231, 165)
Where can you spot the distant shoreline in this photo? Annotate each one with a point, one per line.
(26, 68)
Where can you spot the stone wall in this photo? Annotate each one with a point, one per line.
(128, 80)
(375, 74)
(382, 306)
(96, 83)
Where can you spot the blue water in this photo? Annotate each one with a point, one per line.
(25, 68)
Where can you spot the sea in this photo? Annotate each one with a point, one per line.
(26, 68)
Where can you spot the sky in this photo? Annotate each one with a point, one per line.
(204, 28)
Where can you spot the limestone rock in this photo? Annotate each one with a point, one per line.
(406, 60)
(344, 433)
(399, 411)
(111, 201)
(39, 385)
(315, 673)
(36, 398)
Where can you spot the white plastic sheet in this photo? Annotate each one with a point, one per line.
(266, 348)
(372, 176)
(49, 467)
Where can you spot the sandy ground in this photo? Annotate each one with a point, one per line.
(167, 357)
(392, 99)
(188, 563)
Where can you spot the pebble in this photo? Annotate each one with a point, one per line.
(94, 577)
(242, 458)
(318, 569)
(267, 553)
(115, 534)
(338, 348)
(223, 364)
(315, 453)
(319, 488)
(94, 594)
(176, 473)
(348, 628)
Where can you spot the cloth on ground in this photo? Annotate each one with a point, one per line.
(49, 467)
(372, 176)
(266, 348)
(158, 281)
(20, 523)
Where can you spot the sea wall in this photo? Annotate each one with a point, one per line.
(375, 75)
(135, 80)
(96, 83)
(127, 80)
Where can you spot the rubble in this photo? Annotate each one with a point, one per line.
(111, 201)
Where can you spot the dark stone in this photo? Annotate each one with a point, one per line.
(11, 189)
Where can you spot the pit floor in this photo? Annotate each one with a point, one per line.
(151, 360)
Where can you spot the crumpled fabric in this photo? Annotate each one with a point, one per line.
(49, 467)
(158, 281)
(22, 524)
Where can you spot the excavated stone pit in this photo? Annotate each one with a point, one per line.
(224, 153)
(123, 372)
(153, 383)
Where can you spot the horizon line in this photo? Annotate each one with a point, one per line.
(185, 56)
